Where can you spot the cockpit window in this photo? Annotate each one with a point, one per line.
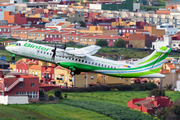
(18, 44)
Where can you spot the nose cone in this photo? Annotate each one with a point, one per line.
(9, 47)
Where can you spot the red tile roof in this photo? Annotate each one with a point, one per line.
(171, 66)
(164, 71)
(60, 24)
(6, 4)
(37, 67)
(8, 26)
(70, 26)
(68, 29)
(57, 32)
(19, 61)
(25, 29)
(74, 34)
(27, 76)
(40, 30)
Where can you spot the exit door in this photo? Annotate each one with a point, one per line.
(120, 70)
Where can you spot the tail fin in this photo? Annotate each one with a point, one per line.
(154, 61)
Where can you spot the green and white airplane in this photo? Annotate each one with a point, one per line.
(81, 60)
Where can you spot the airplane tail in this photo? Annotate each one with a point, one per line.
(154, 62)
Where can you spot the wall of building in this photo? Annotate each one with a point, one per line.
(80, 80)
(8, 15)
(14, 100)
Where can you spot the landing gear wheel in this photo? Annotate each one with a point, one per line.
(72, 73)
(13, 58)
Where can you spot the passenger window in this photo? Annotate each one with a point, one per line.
(47, 53)
(38, 51)
(76, 59)
(102, 65)
(95, 63)
(72, 58)
(50, 54)
(92, 63)
(114, 67)
(111, 67)
(19, 44)
(41, 51)
(79, 60)
(66, 57)
(89, 62)
(82, 60)
(85, 61)
(44, 52)
(99, 64)
(108, 66)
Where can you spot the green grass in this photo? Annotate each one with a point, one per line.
(63, 112)
(10, 113)
(116, 97)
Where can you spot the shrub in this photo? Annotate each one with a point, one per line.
(156, 92)
(57, 93)
(168, 87)
(135, 87)
(101, 42)
(120, 43)
(51, 98)
(41, 93)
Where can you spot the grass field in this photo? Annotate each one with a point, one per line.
(10, 113)
(63, 112)
(116, 97)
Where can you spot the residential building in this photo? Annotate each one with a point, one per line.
(76, 17)
(90, 39)
(141, 40)
(38, 34)
(169, 29)
(19, 84)
(100, 30)
(9, 17)
(108, 80)
(58, 26)
(154, 31)
(5, 30)
(55, 36)
(4, 64)
(21, 33)
(127, 30)
(3, 22)
(166, 40)
(72, 37)
(150, 104)
(7, 7)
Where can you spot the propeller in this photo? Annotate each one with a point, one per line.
(54, 53)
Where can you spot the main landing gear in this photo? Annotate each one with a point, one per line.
(74, 71)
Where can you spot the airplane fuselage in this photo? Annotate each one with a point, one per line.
(88, 63)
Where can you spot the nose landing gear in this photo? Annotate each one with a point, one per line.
(13, 56)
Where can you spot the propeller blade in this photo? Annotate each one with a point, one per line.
(54, 53)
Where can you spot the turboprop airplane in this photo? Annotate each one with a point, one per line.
(81, 60)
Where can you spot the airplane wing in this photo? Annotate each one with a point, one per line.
(82, 52)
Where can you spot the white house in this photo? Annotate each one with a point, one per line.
(166, 41)
(169, 29)
(7, 7)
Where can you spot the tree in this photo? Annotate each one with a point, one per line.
(71, 43)
(57, 93)
(83, 24)
(101, 42)
(120, 43)
(157, 92)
